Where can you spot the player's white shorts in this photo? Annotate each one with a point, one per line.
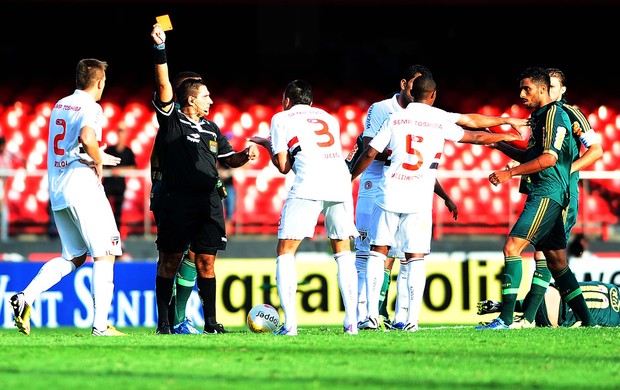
(412, 232)
(300, 216)
(88, 227)
(363, 220)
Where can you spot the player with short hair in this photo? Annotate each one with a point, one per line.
(380, 276)
(185, 278)
(372, 274)
(191, 214)
(82, 213)
(584, 135)
(545, 178)
(306, 140)
(403, 211)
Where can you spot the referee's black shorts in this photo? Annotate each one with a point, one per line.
(191, 221)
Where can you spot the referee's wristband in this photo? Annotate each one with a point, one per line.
(160, 53)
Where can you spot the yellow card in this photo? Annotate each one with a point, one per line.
(165, 22)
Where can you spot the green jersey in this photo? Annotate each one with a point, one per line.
(550, 133)
(583, 134)
(603, 302)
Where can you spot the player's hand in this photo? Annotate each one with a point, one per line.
(498, 177)
(158, 34)
(262, 141)
(252, 152)
(518, 123)
(108, 159)
(453, 208)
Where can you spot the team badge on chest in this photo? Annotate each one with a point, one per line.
(213, 147)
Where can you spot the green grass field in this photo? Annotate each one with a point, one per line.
(319, 358)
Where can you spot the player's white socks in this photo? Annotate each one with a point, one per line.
(286, 280)
(361, 260)
(416, 283)
(374, 282)
(102, 289)
(402, 294)
(49, 274)
(347, 280)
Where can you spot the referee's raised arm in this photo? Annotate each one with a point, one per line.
(163, 86)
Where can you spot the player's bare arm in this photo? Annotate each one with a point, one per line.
(542, 162)
(452, 207)
(477, 121)
(364, 160)
(593, 153)
(240, 158)
(88, 139)
(162, 80)
(485, 138)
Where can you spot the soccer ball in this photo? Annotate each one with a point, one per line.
(263, 318)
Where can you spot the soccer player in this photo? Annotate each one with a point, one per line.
(583, 135)
(82, 213)
(379, 276)
(306, 140)
(545, 171)
(191, 214)
(603, 301)
(370, 274)
(403, 208)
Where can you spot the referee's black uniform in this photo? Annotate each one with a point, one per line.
(191, 213)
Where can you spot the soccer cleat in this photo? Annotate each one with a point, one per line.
(399, 326)
(368, 324)
(285, 332)
(488, 306)
(214, 328)
(496, 324)
(411, 327)
(163, 329)
(185, 327)
(520, 322)
(110, 331)
(21, 313)
(350, 329)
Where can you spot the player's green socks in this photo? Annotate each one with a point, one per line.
(571, 293)
(383, 298)
(536, 295)
(186, 278)
(510, 287)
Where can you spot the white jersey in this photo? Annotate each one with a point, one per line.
(415, 136)
(70, 180)
(312, 137)
(377, 114)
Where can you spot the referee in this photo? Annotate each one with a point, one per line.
(192, 214)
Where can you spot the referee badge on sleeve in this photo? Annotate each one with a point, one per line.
(213, 147)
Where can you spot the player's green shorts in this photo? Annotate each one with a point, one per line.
(570, 215)
(541, 223)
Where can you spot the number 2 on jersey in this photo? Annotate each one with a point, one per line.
(59, 137)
